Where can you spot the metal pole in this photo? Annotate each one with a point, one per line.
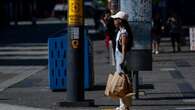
(75, 90)
(136, 83)
(15, 11)
(34, 12)
(75, 62)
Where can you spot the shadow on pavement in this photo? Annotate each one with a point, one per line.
(98, 88)
(27, 62)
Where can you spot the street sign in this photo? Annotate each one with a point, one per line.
(192, 39)
(74, 35)
(74, 32)
(75, 13)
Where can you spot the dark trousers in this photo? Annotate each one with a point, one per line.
(175, 38)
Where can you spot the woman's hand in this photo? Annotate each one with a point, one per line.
(122, 65)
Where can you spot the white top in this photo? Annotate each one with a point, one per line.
(118, 54)
(121, 31)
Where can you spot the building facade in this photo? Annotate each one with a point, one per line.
(183, 8)
(25, 10)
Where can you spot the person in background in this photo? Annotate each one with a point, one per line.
(174, 31)
(122, 36)
(107, 34)
(103, 32)
(102, 26)
(156, 33)
(111, 32)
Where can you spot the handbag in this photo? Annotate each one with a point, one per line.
(118, 85)
(108, 85)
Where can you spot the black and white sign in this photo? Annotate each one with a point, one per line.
(192, 39)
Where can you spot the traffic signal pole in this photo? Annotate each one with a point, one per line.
(75, 62)
(75, 90)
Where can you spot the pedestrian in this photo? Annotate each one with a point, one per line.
(174, 31)
(102, 26)
(111, 32)
(104, 33)
(156, 33)
(123, 36)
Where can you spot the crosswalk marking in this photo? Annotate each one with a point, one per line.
(20, 60)
(189, 100)
(186, 108)
(20, 51)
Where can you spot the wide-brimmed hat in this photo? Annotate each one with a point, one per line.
(121, 15)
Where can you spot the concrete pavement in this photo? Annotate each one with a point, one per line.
(172, 78)
(15, 107)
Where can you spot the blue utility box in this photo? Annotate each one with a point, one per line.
(57, 62)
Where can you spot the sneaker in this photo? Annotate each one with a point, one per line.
(118, 108)
(157, 52)
(153, 51)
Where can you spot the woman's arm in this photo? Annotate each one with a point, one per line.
(124, 45)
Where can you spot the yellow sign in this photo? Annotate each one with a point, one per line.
(75, 44)
(75, 12)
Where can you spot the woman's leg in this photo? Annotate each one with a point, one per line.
(112, 58)
(173, 41)
(122, 105)
(157, 47)
(153, 47)
(125, 103)
(178, 40)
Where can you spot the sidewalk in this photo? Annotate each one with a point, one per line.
(172, 78)
(14, 107)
